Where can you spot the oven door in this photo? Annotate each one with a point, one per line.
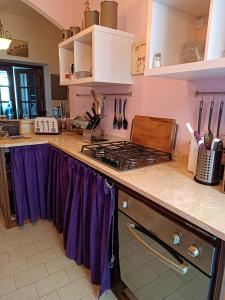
(151, 270)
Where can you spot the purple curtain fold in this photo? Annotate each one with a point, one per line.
(57, 190)
(88, 215)
(30, 175)
(49, 184)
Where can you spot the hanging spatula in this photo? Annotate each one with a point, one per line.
(115, 121)
(125, 122)
(120, 122)
(208, 137)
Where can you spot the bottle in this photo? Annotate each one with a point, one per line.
(157, 60)
(9, 112)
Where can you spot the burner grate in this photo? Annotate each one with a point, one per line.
(124, 155)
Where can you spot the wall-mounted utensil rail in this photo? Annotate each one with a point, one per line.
(130, 94)
(198, 93)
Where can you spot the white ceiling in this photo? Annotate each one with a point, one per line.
(196, 8)
(17, 7)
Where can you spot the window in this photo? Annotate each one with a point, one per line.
(7, 97)
(22, 89)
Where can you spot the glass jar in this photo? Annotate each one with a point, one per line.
(157, 60)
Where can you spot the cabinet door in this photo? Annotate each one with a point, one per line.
(4, 195)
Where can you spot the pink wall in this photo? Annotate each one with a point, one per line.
(152, 97)
(59, 12)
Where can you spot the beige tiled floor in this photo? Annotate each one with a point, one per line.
(33, 266)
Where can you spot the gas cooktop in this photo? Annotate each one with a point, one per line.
(124, 155)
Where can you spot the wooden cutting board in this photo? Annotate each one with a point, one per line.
(156, 133)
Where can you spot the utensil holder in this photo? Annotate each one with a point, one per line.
(208, 167)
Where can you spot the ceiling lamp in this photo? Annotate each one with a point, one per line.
(5, 38)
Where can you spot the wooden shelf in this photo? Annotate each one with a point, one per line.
(104, 52)
(171, 23)
(192, 71)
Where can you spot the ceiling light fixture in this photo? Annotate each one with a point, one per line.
(5, 38)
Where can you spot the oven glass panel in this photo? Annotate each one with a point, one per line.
(150, 279)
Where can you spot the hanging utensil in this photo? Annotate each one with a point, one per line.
(219, 119)
(115, 121)
(197, 133)
(125, 122)
(120, 123)
(208, 137)
(95, 100)
(200, 115)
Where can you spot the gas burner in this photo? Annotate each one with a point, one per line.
(125, 155)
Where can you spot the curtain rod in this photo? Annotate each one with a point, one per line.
(198, 93)
(113, 94)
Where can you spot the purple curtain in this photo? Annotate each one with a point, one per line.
(58, 181)
(30, 175)
(88, 219)
(52, 185)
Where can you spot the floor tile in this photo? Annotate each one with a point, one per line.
(77, 290)
(125, 266)
(7, 285)
(138, 258)
(27, 293)
(128, 283)
(4, 258)
(57, 264)
(148, 292)
(141, 275)
(91, 297)
(48, 242)
(51, 283)
(30, 237)
(125, 250)
(167, 283)
(11, 244)
(13, 268)
(76, 272)
(195, 289)
(51, 296)
(31, 275)
(59, 250)
(40, 257)
(158, 266)
(174, 296)
(21, 252)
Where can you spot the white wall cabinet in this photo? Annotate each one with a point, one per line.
(172, 23)
(104, 52)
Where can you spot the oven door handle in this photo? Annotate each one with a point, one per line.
(179, 267)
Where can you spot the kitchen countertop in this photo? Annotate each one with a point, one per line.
(168, 184)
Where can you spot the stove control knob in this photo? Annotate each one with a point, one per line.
(193, 251)
(124, 204)
(176, 239)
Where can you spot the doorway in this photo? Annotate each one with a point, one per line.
(22, 91)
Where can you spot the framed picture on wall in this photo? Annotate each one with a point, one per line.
(138, 58)
(18, 48)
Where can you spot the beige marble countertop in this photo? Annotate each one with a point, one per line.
(169, 184)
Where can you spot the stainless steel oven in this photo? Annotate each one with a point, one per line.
(161, 258)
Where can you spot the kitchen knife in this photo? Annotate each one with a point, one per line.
(219, 119)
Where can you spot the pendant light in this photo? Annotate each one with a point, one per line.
(5, 38)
